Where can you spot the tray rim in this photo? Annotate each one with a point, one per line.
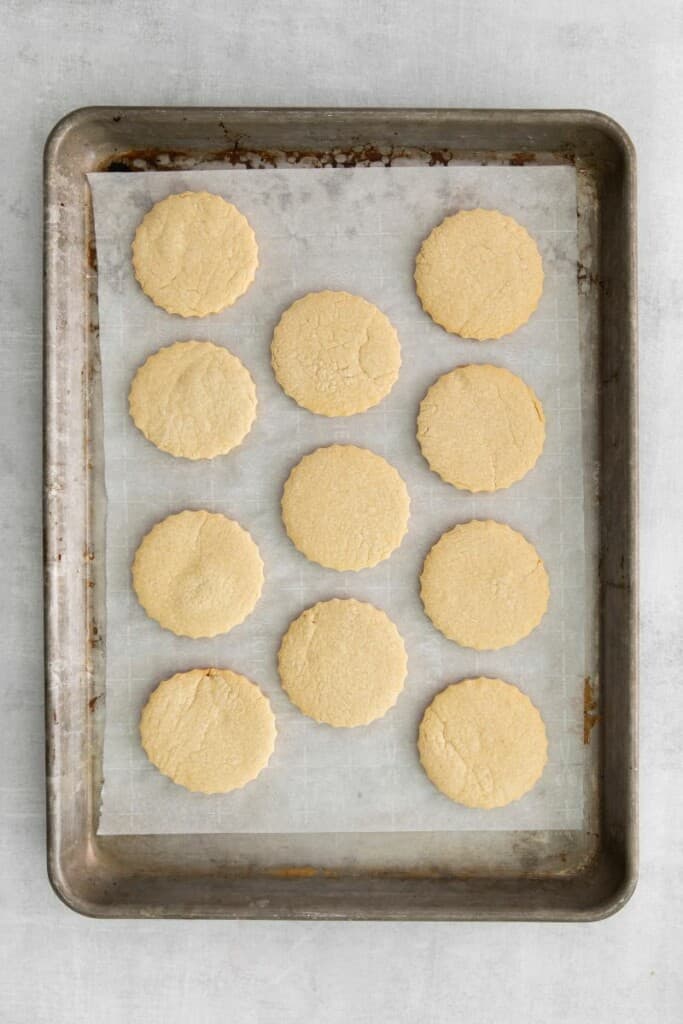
(65, 886)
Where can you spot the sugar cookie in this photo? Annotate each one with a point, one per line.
(193, 399)
(479, 274)
(194, 254)
(209, 730)
(481, 428)
(345, 507)
(483, 743)
(484, 585)
(198, 574)
(335, 354)
(343, 662)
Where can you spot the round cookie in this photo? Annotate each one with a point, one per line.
(209, 730)
(479, 274)
(481, 428)
(484, 585)
(345, 507)
(483, 743)
(335, 354)
(343, 662)
(194, 254)
(198, 574)
(193, 399)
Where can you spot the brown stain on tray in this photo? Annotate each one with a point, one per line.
(590, 709)
(522, 159)
(361, 155)
(296, 872)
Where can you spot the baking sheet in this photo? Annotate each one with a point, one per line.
(358, 230)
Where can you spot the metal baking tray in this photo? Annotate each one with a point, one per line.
(536, 875)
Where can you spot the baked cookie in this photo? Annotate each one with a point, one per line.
(479, 274)
(193, 399)
(481, 428)
(345, 507)
(483, 743)
(484, 585)
(209, 730)
(335, 354)
(198, 574)
(194, 254)
(342, 662)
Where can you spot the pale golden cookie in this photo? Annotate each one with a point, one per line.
(335, 354)
(209, 730)
(343, 663)
(345, 507)
(481, 428)
(479, 274)
(193, 399)
(198, 574)
(194, 254)
(484, 585)
(483, 743)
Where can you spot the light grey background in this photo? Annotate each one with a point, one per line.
(623, 58)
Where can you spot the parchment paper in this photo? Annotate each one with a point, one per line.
(358, 230)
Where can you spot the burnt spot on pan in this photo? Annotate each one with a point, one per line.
(364, 154)
(94, 636)
(237, 155)
(522, 159)
(148, 160)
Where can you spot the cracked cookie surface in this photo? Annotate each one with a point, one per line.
(342, 662)
(209, 730)
(193, 399)
(335, 353)
(345, 507)
(481, 428)
(198, 573)
(484, 585)
(479, 274)
(194, 254)
(483, 743)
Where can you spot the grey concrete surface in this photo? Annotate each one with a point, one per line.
(623, 58)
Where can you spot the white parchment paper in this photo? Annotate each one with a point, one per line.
(358, 230)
